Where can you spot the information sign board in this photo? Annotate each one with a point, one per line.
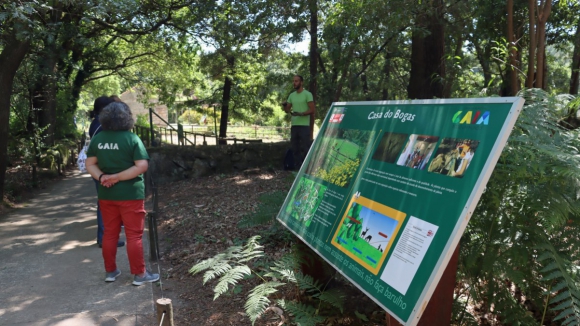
(387, 189)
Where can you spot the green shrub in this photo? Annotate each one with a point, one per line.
(519, 258)
(190, 117)
(143, 120)
(233, 265)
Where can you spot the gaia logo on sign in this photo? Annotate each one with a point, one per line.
(469, 118)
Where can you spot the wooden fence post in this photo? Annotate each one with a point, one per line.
(164, 312)
(152, 236)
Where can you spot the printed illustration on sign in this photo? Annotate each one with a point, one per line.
(305, 200)
(344, 149)
(453, 157)
(366, 232)
(418, 151)
(390, 146)
(408, 254)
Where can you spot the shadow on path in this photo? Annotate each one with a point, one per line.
(51, 270)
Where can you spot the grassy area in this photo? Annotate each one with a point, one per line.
(345, 147)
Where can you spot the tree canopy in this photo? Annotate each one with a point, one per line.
(57, 56)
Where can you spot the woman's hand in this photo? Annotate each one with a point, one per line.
(109, 180)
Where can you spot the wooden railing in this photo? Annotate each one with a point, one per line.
(153, 136)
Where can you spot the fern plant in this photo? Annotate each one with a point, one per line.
(519, 252)
(231, 266)
(563, 294)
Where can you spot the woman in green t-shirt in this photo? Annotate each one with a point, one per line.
(117, 159)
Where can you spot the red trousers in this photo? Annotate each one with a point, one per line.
(131, 214)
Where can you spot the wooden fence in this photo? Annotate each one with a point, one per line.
(177, 134)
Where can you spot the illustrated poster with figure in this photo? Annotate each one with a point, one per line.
(387, 189)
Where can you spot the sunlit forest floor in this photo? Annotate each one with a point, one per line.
(198, 219)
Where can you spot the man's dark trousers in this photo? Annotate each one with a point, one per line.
(300, 142)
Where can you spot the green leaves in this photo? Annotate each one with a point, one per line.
(519, 242)
(304, 315)
(565, 294)
(258, 299)
(230, 266)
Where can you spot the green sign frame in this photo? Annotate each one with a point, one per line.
(387, 190)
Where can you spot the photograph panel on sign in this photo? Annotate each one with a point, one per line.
(453, 157)
(418, 150)
(366, 231)
(305, 200)
(390, 146)
(338, 155)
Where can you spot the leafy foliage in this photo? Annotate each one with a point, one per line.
(304, 315)
(518, 254)
(564, 292)
(142, 120)
(231, 266)
(258, 299)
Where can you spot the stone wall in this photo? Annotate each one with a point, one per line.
(130, 97)
(172, 163)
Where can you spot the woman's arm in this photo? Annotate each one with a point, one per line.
(140, 167)
(93, 168)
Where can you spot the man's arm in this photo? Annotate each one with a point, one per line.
(287, 107)
(311, 109)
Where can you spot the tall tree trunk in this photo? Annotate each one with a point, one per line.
(11, 56)
(544, 11)
(226, 95)
(427, 53)
(483, 58)
(545, 72)
(340, 84)
(532, 46)
(79, 81)
(335, 69)
(47, 85)
(343, 76)
(365, 84)
(575, 69)
(79, 78)
(313, 86)
(458, 53)
(44, 103)
(513, 86)
(49, 89)
(387, 75)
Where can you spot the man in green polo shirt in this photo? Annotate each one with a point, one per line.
(300, 105)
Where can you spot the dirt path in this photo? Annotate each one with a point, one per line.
(52, 270)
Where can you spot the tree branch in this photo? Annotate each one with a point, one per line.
(364, 68)
(116, 68)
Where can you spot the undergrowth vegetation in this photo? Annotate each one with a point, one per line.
(314, 305)
(519, 256)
